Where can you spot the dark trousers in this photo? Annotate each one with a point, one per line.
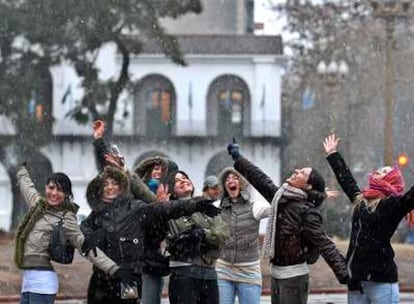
(184, 289)
(290, 291)
(103, 289)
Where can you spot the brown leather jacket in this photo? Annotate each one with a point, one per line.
(299, 225)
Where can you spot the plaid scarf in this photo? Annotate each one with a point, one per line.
(283, 195)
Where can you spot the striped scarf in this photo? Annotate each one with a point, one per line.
(283, 194)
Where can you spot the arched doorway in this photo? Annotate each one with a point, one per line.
(217, 163)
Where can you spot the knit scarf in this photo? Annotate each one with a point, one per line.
(390, 184)
(35, 213)
(283, 195)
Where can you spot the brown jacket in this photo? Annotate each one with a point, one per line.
(299, 226)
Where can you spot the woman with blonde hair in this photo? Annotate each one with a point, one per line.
(378, 209)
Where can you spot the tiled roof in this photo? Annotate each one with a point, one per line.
(216, 45)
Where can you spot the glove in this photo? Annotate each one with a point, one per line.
(206, 207)
(93, 240)
(355, 285)
(234, 150)
(125, 276)
(87, 246)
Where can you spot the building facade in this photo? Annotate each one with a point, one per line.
(231, 87)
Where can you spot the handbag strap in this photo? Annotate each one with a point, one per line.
(60, 217)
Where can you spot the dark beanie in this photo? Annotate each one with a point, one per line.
(316, 181)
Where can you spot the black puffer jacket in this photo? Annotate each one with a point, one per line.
(370, 255)
(299, 226)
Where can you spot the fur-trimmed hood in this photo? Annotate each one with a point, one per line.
(95, 186)
(144, 168)
(243, 182)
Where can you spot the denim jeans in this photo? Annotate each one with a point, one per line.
(151, 289)
(37, 298)
(375, 293)
(247, 293)
(290, 291)
(184, 289)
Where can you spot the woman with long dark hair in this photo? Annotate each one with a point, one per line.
(32, 255)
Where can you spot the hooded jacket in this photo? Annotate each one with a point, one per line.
(120, 226)
(155, 261)
(299, 225)
(243, 220)
(370, 255)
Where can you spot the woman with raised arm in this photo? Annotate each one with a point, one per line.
(238, 268)
(295, 233)
(378, 209)
(32, 255)
(145, 182)
(118, 223)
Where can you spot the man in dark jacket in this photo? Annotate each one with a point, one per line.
(294, 229)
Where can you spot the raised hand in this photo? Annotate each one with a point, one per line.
(115, 161)
(332, 194)
(162, 193)
(234, 150)
(330, 144)
(98, 129)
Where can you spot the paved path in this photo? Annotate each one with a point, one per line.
(405, 298)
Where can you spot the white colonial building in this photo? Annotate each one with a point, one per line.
(231, 87)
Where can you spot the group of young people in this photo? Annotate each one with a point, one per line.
(146, 224)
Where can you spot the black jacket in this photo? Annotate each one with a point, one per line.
(120, 227)
(299, 226)
(370, 255)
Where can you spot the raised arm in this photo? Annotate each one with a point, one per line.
(256, 177)
(339, 167)
(100, 146)
(27, 187)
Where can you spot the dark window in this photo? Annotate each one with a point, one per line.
(154, 111)
(231, 108)
(228, 107)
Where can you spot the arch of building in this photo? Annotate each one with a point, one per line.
(227, 94)
(217, 163)
(154, 106)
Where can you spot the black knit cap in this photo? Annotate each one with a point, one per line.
(316, 181)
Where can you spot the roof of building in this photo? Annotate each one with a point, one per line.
(215, 45)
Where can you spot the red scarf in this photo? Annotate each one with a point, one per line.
(380, 187)
(390, 184)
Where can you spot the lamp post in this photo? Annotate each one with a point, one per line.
(332, 75)
(390, 11)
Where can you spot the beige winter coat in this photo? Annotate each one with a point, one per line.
(36, 254)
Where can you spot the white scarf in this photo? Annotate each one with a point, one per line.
(287, 193)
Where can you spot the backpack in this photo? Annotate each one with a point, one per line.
(60, 250)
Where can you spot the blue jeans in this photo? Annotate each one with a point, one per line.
(151, 289)
(37, 298)
(247, 293)
(375, 293)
